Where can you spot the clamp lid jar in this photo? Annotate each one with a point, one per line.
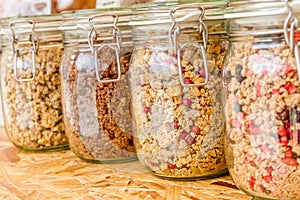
(175, 77)
(30, 82)
(261, 82)
(95, 86)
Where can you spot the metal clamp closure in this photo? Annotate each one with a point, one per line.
(292, 21)
(116, 35)
(174, 33)
(32, 38)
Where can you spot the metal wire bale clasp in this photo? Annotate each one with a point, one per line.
(290, 26)
(32, 38)
(116, 35)
(174, 33)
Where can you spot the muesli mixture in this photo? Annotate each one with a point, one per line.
(98, 123)
(33, 109)
(179, 129)
(263, 121)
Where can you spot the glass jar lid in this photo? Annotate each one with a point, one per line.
(96, 26)
(159, 13)
(32, 29)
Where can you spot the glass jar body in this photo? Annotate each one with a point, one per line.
(179, 129)
(98, 123)
(262, 116)
(32, 109)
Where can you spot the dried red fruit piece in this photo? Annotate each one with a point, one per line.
(235, 123)
(176, 125)
(252, 163)
(257, 87)
(269, 170)
(147, 109)
(288, 153)
(254, 131)
(182, 134)
(252, 182)
(282, 131)
(290, 88)
(201, 72)
(290, 161)
(249, 73)
(195, 129)
(190, 139)
(172, 166)
(188, 81)
(187, 102)
(268, 178)
(275, 91)
(289, 69)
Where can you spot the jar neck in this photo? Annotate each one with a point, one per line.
(188, 31)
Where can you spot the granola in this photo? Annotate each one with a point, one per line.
(179, 130)
(263, 121)
(33, 109)
(97, 118)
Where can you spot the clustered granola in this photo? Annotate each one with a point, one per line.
(263, 121)
(98, 122)
(179, 129)
(33, 109)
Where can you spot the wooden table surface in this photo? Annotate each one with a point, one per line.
(61, 175)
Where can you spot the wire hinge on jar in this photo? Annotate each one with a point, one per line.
(33, 38)
(174, 33)
(289, 34)
(92, 38)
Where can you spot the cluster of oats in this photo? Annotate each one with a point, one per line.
(179, 130)
(263, 119)
(33, 109)
(98, 123)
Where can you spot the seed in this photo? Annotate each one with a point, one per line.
(237, 107)
(227, 75)
(240, 78)
(238, 69)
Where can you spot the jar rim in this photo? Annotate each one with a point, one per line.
(255, 8)
(158, 13)
(79, 19)
(42, 23)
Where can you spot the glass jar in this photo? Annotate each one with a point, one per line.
(30, 82)
(262, 101)
(175, 86)
(95, 86)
